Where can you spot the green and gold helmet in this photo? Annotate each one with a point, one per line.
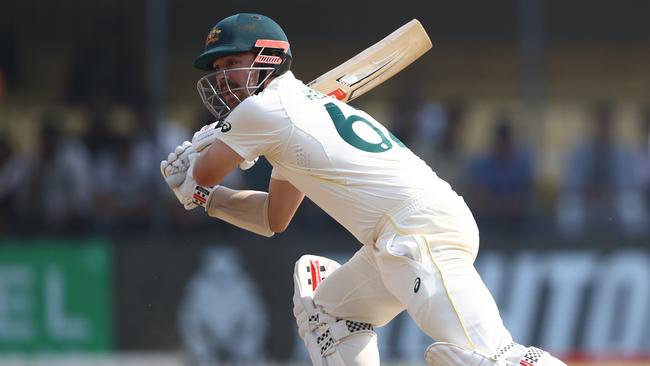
(247, 32)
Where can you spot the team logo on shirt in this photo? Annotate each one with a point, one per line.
(416, 287)
(224, 126)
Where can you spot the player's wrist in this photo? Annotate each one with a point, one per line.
(201, 196)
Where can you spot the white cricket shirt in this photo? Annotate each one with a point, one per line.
(338, 156)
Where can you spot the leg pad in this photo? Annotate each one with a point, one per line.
(329, 341)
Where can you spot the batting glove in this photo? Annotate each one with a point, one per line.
(205, 136)
(175, 167)
(175, 172)
(178, 173)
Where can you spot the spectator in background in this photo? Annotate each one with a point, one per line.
(601, 182)
(430, 122)
(408, 102)
(643, 157)
(449, 160)
(122, 159)
(431, 129)
(13, 173)
(8, 64)
(7, 185)
(122, 190)
(56, 196)
(98, 136)
(3, 85)
(501, 182)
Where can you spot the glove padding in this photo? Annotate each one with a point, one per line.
(175, 167)
(177, 171)
(204, 137)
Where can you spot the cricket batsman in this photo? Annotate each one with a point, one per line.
(419, 237)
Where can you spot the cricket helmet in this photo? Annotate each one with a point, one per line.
(247, 32)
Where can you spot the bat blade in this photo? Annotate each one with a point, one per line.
(376, 64)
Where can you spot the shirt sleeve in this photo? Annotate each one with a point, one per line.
(275, 174)
(255, 127)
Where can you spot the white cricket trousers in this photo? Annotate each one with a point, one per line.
(422, 262)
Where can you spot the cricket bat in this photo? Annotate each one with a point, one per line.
(376, 64)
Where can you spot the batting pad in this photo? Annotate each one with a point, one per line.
(513, 354)
(329, 341)
(309, 271)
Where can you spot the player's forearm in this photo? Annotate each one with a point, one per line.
(245, 209)
(201, 172)
(214, 164)
(284, 200)
(205, 172)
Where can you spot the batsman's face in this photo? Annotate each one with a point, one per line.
(235, 77)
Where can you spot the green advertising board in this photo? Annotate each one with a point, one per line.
(55, 295)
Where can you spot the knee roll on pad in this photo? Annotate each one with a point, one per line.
(329, 341)
(513, 354)
(308, 273)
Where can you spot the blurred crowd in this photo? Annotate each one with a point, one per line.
(603, 187)
(106, 180)
(103, 179)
